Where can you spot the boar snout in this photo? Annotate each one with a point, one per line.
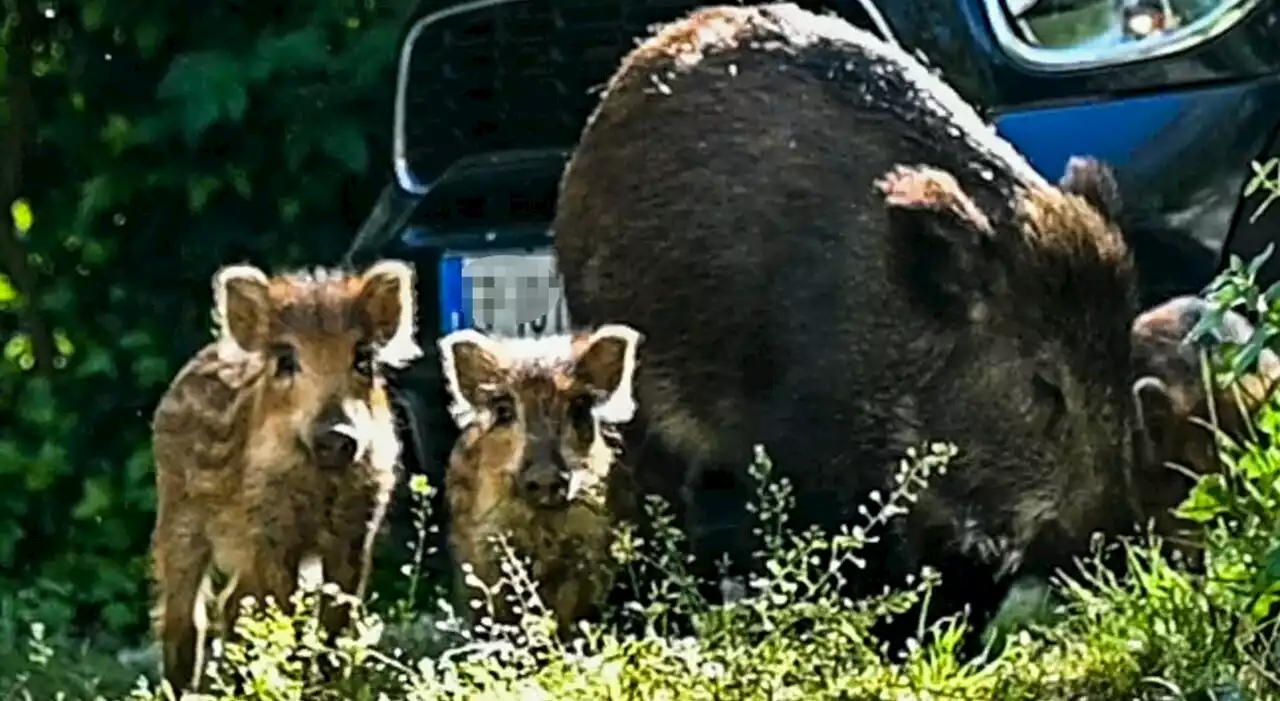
(336, 439)
(545, 483)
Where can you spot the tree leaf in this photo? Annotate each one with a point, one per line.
(298, 50)
(199, 189)
(147, 36)
(23, 217)
(1209, 499)
(97, 361)
(95, 499)
(1270, 569)
(8, 294)
(208, 85)
(1260, 173)
(1256, 264)
(346, 145)
(92, 12)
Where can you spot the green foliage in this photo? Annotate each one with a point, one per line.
(1265, 181)
(167, 139)
(1160, 634)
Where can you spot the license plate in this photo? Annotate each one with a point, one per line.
(513, 293)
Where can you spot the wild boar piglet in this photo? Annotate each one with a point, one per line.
(533, 462)
(275, 446)
(1175, 440)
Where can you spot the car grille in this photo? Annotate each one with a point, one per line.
(522, 74)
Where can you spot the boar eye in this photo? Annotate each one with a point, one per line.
(363, 361)
(580, 411)
(1049, 393)
(504, 410)
(286, 360)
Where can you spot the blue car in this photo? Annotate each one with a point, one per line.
(1180, 96)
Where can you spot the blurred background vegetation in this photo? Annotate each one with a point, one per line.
(143, 144)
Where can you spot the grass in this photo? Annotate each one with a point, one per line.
(1160, 634)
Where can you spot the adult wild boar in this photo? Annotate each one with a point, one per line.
(830, 253)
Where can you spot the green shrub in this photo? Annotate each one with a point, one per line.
(1160, 634)
(172, 138)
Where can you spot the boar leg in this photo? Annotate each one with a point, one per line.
(274, 575)
(346, 564)
(182, 561)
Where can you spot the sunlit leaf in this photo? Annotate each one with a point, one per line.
(8, 295)
(1261, 172)
(63, 343)
(23, 217)
(1209, 499)
(1262, 606)
(18, 350)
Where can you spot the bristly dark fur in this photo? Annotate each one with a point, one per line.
(723, 198)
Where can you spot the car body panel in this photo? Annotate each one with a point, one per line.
(1180, 129)
(1182, 158)
(492, 96)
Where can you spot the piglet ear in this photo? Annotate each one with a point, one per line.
(387, 302)
(240, 309)
(469, 360)
(606, 363)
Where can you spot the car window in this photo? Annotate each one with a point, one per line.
(1068, 34)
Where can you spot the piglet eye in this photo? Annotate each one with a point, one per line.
(286, 360)
(504, 409)
(580, 408)
(363, 360)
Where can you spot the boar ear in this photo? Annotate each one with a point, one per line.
(387, 302)
(942, 240)
(240, 309)
(469, 360)
(1094, 181)
(606, 363)
(1156, 407)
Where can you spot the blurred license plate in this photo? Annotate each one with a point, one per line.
(514, 293)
